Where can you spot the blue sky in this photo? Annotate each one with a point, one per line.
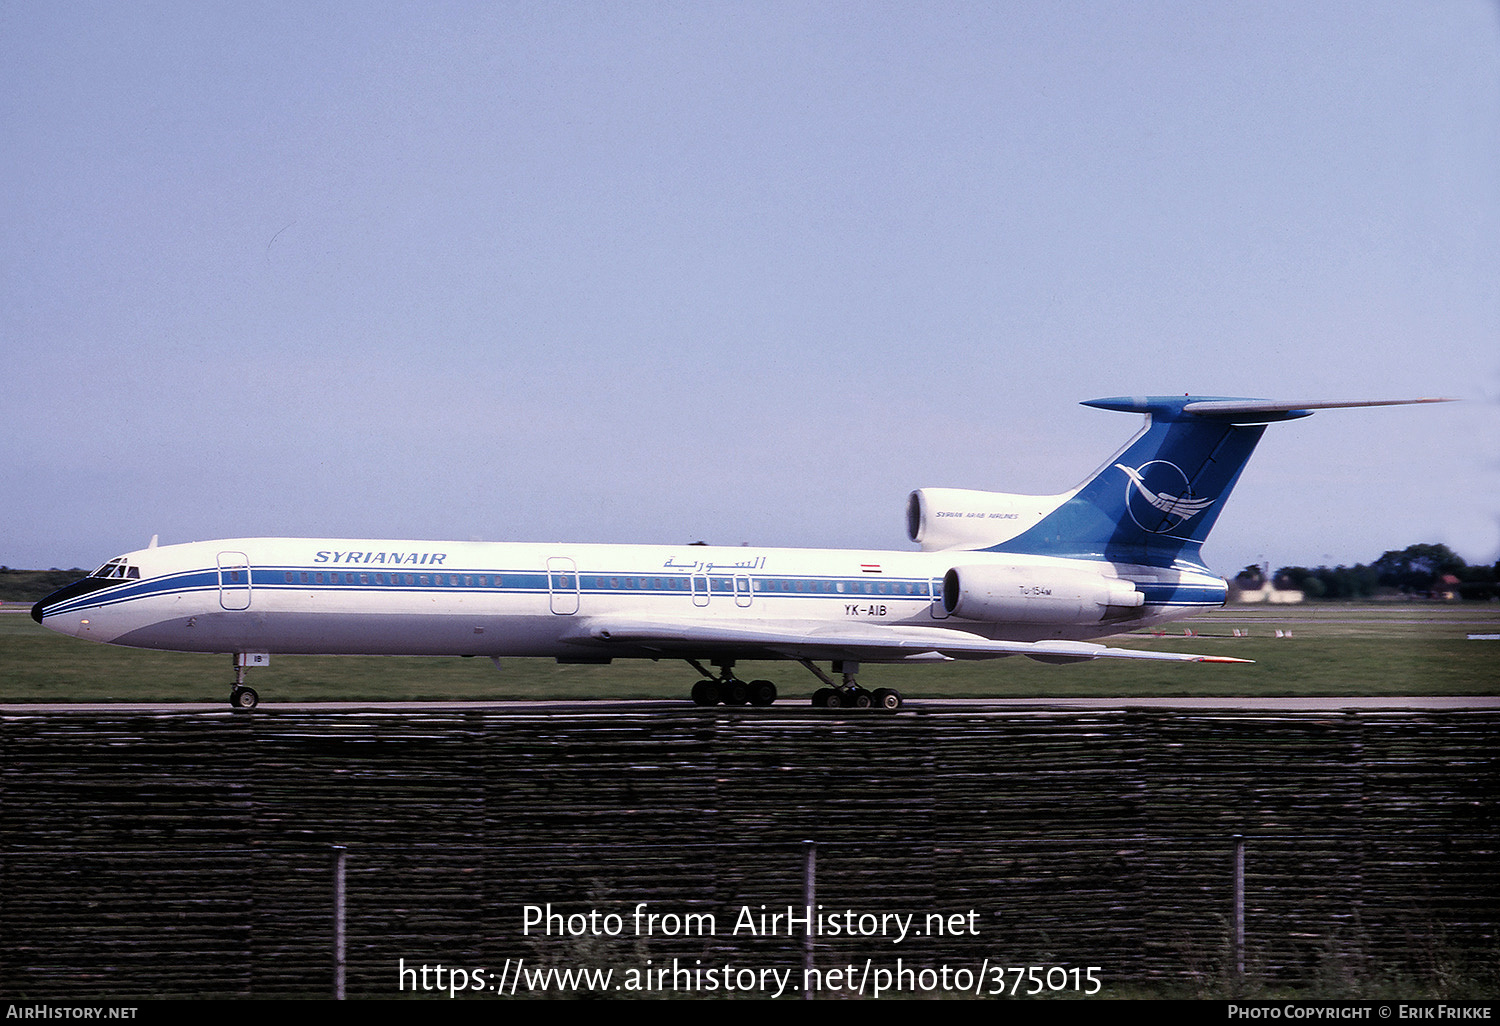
(748, 272)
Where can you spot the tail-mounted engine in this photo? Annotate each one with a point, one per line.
(1042, 594)
(961, 518)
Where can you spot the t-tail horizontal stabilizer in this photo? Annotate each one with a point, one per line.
(1154, 503)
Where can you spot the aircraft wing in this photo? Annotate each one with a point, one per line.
(855, 642)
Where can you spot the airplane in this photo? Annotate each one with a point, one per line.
(996, 574)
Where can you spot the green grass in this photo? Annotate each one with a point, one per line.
(1333, 650)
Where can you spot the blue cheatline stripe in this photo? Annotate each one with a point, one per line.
(1182, 594)
(509, 583)
(189, 582)
(594, 582)
(599, 583)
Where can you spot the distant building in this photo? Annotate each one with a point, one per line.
(1270, 596)
(1445, 588)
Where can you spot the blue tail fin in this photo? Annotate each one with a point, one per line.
(1155, 502)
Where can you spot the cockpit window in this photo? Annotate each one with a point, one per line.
(118, 569)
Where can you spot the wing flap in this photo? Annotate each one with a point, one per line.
(851, 642)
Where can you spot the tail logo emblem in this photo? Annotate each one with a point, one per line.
(1170, 510)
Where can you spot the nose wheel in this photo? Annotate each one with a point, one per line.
(240, 696)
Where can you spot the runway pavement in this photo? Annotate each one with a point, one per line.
(912, 706)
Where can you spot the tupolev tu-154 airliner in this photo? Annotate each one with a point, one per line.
(996, 574)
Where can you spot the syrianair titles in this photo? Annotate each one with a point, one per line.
(995, 574)
(381, 558)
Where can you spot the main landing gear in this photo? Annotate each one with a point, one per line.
(728, 689)
(240, 696)
(848, 694)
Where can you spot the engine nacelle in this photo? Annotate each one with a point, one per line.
(1037, 594)
(961, 518)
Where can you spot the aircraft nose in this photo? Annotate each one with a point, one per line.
(82, 587)
(39, 610)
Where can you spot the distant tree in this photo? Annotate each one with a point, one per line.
(1417, 567)
(1349, 582)
(1291, 576)
(1478, 582)
(1414, 569)
(1309, 582)
(1337, 582)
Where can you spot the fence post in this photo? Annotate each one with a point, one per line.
(340, 856)
(809, 901)
(1238, 944)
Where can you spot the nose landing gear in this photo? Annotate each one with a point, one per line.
(240, 696)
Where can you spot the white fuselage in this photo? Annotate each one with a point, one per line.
(288, 595)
